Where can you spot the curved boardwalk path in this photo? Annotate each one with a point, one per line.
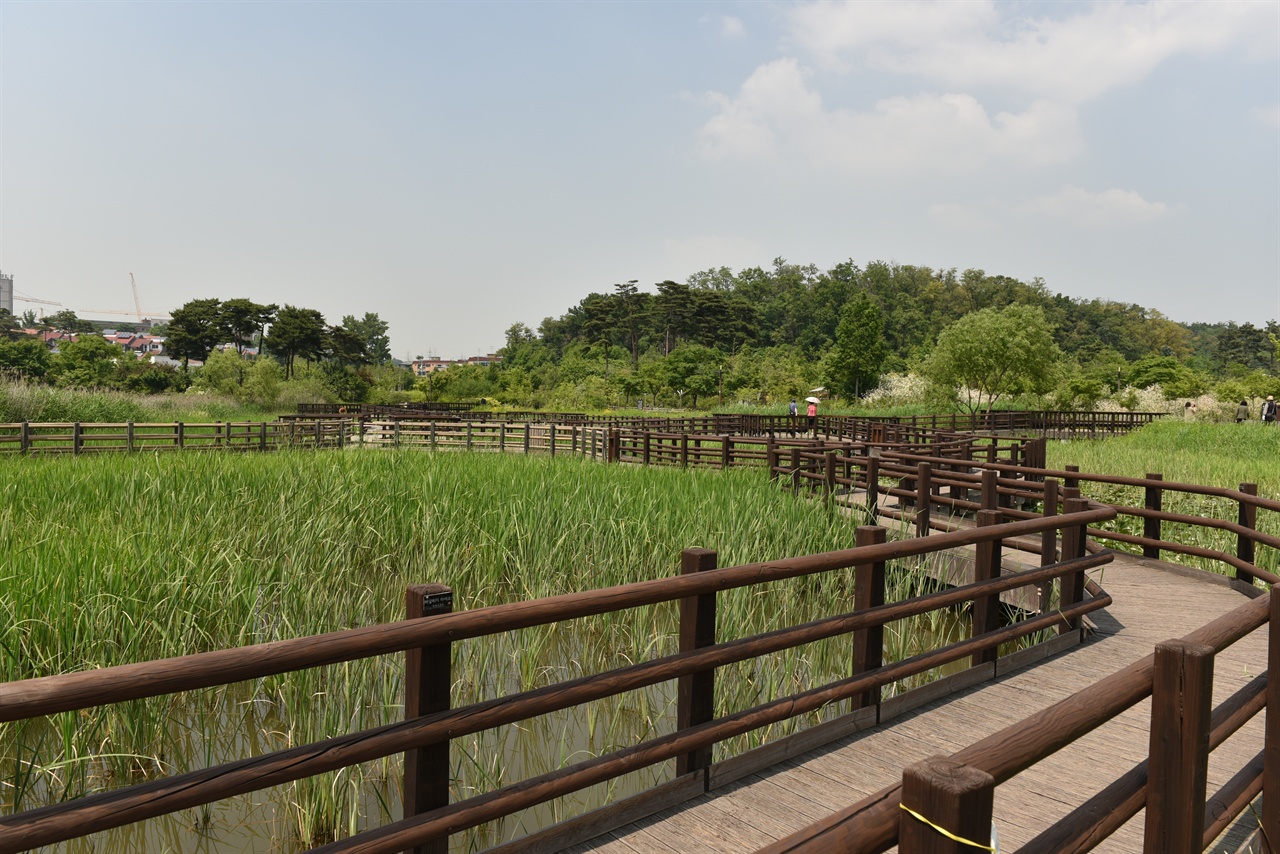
(1153, 602)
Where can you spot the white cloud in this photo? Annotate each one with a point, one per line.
(732, 27)
(959, 217)
(1094, 48)
(1108, 208)
(1268, 115)
(776, 113)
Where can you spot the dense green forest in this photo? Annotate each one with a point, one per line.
(763, 336)
(883, 335)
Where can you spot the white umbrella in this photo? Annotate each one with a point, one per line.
(812, 400)
(819, 390)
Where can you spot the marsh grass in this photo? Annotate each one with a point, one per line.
(33, 402)
(115, 559)
(1222, 455)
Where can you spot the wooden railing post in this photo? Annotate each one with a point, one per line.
(986, 566)
(684, 450)
(942, 793)
(725, 450)
(180, 434)
(1071, 482)
(128, 437)
(24, 437)
(771, 458)
(829, 479)
(1181, 695)
(1247, 517)
(1048, 541)
(1271, 749)
(924, 493)
(77, 438)
(873, 487)
(795, 470)
(1150, 526)
(990, 489)
(428, 677)
(695, 692)
(1073, 546)
(262, 435)
(868, 592)
(647, 447)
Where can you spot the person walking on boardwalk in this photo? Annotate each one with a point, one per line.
(1242, 412)
(813, 416)
(1269, 410)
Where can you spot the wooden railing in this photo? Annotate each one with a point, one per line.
(1170, 784)
(1054, 423)
(955, 482)
(430, 629)
(325, 425)
(131, 437)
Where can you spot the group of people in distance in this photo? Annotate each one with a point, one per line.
(1268, 411)
(812, 414)
(1242, 411)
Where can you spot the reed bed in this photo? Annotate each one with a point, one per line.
(116, 559)
(1222, 455)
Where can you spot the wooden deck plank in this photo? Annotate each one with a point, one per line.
(1150, 606)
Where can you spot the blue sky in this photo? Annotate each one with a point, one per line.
(460, 167)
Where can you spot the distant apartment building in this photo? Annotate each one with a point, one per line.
(422, 367)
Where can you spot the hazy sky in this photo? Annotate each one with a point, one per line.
(459, 167)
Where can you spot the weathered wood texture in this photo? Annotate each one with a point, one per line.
(1151, 603)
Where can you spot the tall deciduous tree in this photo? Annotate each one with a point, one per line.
(296, 332)
(992, 353)
(194, 330)
(854, 363)
(87, 362)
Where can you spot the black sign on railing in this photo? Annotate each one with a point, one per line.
(437, 603)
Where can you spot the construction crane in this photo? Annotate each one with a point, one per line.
(137, 308)
(22, 298)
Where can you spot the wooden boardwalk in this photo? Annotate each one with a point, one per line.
(1153, 602)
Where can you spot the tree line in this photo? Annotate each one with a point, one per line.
(760, 336)
(239, 344)
(767, 334)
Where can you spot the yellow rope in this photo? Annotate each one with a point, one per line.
(948, 833)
